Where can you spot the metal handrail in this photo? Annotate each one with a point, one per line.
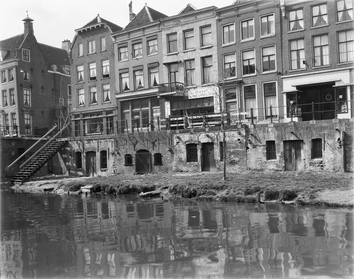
(23, 154)
(43, 146)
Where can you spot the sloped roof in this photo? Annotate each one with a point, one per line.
(99, 20)
(145, 16)
(10, 45)
(188, 8)
(55, 56)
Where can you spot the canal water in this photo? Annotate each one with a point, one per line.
(69, 236)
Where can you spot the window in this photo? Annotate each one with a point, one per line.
(250, 99)
(206, 36)
(80, 73)
(103, 44)
(6, 122)
(27, 97)
(3, 76)
(93, 95)
(346, 46)
(14, 122)
(270, 98)
(231, 99)
(152, 46)
(188, 39)
(105, 68)
(92, 67)
(128, 160)
(140, 113)
(267, 25)
(124, 82)
(26, 76)
(106, 93)
(207, 68)
(138, 79)
(91, 47)
(228, 34)
(137, 50)
(122, 53)
(247, 29)
(268, 59)
(78, 159)
(172, 43)
(321, 50)
(189, 66)
(192, 152)
(229, 65)
(157, 159)
(297, 54)
(172, 72)
(69, 95)
(316, 148)
(270, 150)
(319, 15)
(12, 97)
(81, 95)
(81, 49)
(103, 161)
(153, 76)
(248, 62)
(28, 123)
(11, 75)
(26, 55)
(296, 20)
(344, 10)
(4, 98)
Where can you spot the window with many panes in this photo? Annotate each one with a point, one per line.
(92, 68)
(137, 50)
(346, 46)
(189, 68)
(124, 82)
(93, 95)
(207, 65)
(26, 76)
(316, 148)
(205, 32)
(248, 63)
(3, 77)
(267, 25)
(247, 29)
(152, 46)
(296, 20)
(14, 122)
(172, 43)
(81, 97)
(105, 68)
(229, 65)
(103, 44)
(297, 54)
(321, 50)
(12, 97)
(4, 98)
(344, 10)
(319, 15)
(153, 73)
(228, 34)
(106, 93)
(103, 161)
(270, 98)
(138, 79)
(6, 121)
(188, 36)
(27, 97)
(123, 53)
(91, 47)
(81, 49)
(28, 123)
(80, 73)
(271, 150)
(249, 92)
(26, 55)
(192, 152)
(268, 59)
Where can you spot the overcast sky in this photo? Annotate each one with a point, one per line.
(56, 20)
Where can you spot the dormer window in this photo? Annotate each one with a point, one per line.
(26, 55)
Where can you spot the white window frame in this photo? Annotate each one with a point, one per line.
(136, 51)
(223, 33)
(275, 59)
(80, 71)
(93, 71)
(81, 97)
(106, 89)
(91, 47)
(223, 65)
(121, 54)
(255, 111)
(105, 69)
(103, 44)
(337, 11)
(123, 77)
(298, 20)
(189, 38)
(151, 47)
(260, 26)
(93, 95)
(319, 14)
(253, 30)
(202, 35)
(80, 49)
(27, 97)
(24, 55)
(153, 72)
(255, 62)
(275, 108)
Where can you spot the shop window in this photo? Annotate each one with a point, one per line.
(316, 148)
(270, 150)
(103, 157)
(192, 152)
(157, 159)
(128, 160)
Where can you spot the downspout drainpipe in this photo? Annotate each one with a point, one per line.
(342, 136)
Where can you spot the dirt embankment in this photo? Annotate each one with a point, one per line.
(319, 188)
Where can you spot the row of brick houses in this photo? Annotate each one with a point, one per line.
(271, 80)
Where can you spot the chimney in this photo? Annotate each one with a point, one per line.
(28, 25)
(66, 45)
(131, 14)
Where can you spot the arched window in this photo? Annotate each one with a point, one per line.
(128, 160)
(78, 160)
(157, 159)
(103, 159)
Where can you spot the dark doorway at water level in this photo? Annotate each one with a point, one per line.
(292, 155)
(91, 163)
(208, 160)
(143, 162)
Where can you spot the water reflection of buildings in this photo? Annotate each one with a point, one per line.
(11, 263)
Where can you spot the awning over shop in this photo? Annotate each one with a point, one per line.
(314, 82)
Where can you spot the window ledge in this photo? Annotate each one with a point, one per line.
(152, 54)
(105, 169)
(208, 46)
(345, 63)
(189, 50)
(269, 72)
(321, 67)
(247, 40)
(94, 104)
(92, 53)
(295, 31)
(297, 70)
(125, 60)
(251, 75)
(208, 84)
(191, 86)
(228, 44)
(316, 27)
(267, 36)
(345, 21)
(137, 57)
(172, 53)
(230, 78)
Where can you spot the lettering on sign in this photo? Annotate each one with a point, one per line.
(203, 92)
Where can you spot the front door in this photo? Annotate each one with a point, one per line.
(142, 162)
(91, 163)
(208, 161)
(292, 155)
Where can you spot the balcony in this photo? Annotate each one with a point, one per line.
(171, 89)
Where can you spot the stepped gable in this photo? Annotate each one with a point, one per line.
(145, 16)
(187, 9)
(55, 56)
(9, 46)
(99, 20)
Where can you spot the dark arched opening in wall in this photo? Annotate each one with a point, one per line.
(142, 161)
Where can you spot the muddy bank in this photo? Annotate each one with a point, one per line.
(300, 188)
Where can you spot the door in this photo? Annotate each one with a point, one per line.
(142, 162)
(292, 155)
(91, 163)
(208, 161)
